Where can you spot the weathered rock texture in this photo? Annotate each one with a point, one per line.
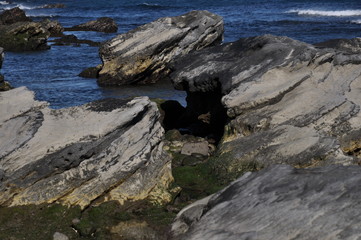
(287, 101)
(4, 86)
(141, 55)
(24, 36)
(103, 24)
(279, 203)
(348, 45)
(105, 150)
(12, 16)
(54, 27)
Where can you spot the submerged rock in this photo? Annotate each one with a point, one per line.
(24, 36)
(72, 40)
(286, 101)
(4, 86)
(280, 202)
(54, 5)
(141, 55)
(13, 15)
(106, 150)
(103, 24)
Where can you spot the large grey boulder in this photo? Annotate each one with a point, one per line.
(280, 202)
(105, 150)
(141, 55)
(286, 101)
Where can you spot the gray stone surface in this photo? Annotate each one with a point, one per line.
(282, 203)
(105, 150)
(287, 101)
(192, 148)
(141, 55)
(60, 236)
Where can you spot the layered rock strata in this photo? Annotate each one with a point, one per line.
(287, 101)
(105, 150)
(141, 55)
(103, 24)
(280, 202)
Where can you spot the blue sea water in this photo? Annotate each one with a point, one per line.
(52, 74)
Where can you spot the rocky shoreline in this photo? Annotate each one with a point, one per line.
(145, 168)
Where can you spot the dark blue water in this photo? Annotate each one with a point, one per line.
(53, 74)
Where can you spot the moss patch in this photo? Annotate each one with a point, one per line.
(37, 222)
(196, 181)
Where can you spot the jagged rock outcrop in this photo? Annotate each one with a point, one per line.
(141, 55)
(103, 24)
(280, 202)
(54, 27)
(106, 150)
(13, 15)
(24, 36)
(286, 101)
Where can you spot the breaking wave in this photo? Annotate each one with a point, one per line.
(341, 13)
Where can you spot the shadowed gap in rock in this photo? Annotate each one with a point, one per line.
(204, 116)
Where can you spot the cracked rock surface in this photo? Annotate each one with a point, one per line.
(288, 102)
(105, 150)
(141, 55)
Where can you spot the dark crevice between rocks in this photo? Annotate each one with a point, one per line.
(204, 116)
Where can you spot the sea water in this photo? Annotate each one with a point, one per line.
(52, 74)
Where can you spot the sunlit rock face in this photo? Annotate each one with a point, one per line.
(105, 150)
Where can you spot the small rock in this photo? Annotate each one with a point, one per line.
(72, 40)
(104, 24)
(91, 72)
(59, 236)
(75, 221)
(200, 148)
(54, 5)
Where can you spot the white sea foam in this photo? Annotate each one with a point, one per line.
(356, 21)
(341, 13)
(21, 6)
(4, 3)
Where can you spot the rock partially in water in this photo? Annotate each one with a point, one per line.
(286, 101)
(91, 72)
(54, 5)
(103, 24)
(13, 15)
(24, 36)
(141, 55)
(280, 202)
(72, 40)
(4, 85)
(106, 150)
